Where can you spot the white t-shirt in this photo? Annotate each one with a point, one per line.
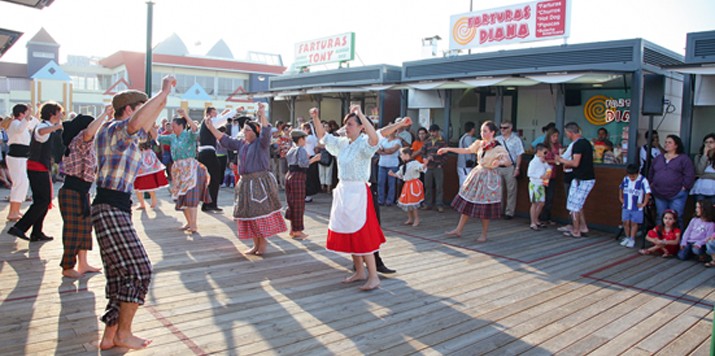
(393, 159)
(310, 142)
(19, 131)
(536, 170)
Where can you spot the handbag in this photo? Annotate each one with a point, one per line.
(326, 158)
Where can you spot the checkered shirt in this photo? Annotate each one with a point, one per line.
(118, 156)
(82, 160)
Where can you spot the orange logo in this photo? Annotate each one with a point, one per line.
(462, 33)
(595, 110)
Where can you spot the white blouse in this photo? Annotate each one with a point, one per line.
(412, 171)
(20, 131)
(354, 159)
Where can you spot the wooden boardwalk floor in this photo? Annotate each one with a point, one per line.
(523, 292)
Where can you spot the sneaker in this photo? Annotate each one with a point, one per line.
(631, 243)
(624, 241)
(308, 199)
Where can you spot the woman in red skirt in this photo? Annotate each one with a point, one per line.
(151, 174)
(353, 226)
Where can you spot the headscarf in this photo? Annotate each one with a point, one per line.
(72, 128)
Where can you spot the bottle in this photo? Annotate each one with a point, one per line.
(548, 174)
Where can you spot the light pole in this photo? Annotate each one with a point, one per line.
(149, 19)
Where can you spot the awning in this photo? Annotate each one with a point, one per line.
(705, 69)
(574, 78)
(335, 90)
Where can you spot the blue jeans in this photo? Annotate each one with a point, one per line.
(676, 203)
(689, 249)
(382, 179)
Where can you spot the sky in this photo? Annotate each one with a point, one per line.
(386, 31)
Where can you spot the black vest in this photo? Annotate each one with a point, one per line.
(206, 138)
(41, 152)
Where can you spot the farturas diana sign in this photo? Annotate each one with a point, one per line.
(532, 21)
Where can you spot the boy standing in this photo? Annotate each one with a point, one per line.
(539, 173)
(634, 193)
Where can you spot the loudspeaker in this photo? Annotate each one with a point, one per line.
(572, 97)
(653, 94)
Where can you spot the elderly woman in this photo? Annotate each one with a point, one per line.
(671, 176)
(80, 168)
(480, 195)
(353, 226)
(189, 178)
(257, 209)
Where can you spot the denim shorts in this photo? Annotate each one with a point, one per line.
(635, 216)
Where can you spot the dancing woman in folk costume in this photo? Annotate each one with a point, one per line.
(257, 208)
(151, 176)
(19, 134)
(189, 178)
(80, 168)
(480, 195)
(353, 226)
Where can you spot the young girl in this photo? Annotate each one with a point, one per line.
(298, 163)
(665, 237)
(413, 192)
(151, 174)
(699, 229)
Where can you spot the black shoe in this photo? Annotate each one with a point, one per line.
(216, 209)
(508, 217)
(41, 237)
(17, 233)
(205, 208)
(385, 270)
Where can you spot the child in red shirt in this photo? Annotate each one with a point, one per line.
(665, 237)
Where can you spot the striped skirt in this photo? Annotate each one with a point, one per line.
(295, 196)
(198, 192)
(76, 226)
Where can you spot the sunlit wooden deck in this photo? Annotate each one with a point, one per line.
(522, 292)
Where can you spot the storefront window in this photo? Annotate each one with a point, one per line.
(604, 116)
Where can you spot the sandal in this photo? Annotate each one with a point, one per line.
(644, 252)
(709, 264)
(666, 255)
(571, 234)
(534, 227)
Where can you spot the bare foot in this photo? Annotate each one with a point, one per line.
(131, 342)
(260, 252)
(371, 284)
(108, 337)
(252, 251)
(70, 273)
(141, 207)
(185, 227)
(14, 218)
(291, 234)
(408, 222)
(299, 235)
(416, 223)
(355, 277)
(88, 269)
(454, 233)
(482, 239)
